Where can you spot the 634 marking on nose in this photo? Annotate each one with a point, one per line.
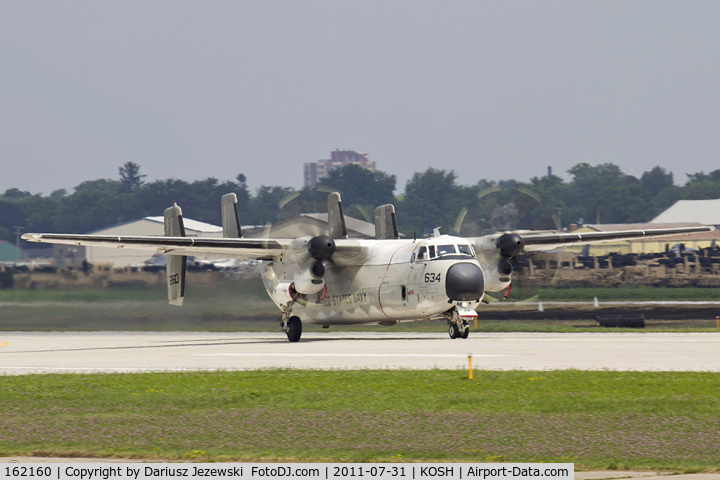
(432, 277)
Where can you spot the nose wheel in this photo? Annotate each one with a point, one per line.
(458, 326)
(459, 331)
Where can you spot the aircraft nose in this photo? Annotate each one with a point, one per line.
(464, 281)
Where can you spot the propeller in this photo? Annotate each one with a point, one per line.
(510, 210)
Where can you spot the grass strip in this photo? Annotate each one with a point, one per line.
(244, 306)
(251, 288)
(597, 420)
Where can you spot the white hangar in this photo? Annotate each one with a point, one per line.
(123, 257)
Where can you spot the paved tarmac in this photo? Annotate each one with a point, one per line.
(57, 352)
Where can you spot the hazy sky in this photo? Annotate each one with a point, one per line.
(490, 90)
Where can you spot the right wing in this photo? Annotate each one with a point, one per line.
(347, 251)
(246, 248)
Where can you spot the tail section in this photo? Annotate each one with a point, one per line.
(176, 264)
(385, 223)
(230, 217)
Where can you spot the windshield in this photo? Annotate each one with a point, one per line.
(445, 249)
(439, 251)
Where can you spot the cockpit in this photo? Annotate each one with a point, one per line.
(443, 251)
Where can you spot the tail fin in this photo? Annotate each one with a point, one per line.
(385, 222)
(336, 219)
(230, 217)
(176, 264)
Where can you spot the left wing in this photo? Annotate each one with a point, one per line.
(545, 241)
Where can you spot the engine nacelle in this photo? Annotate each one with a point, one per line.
(285, 292)
(302, 270)
(320, 247)
(309, 286)
(495, 254)
(495, 280)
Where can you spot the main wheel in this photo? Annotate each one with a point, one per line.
(453, 331)
(294, 329)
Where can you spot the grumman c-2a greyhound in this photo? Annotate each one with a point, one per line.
(333, 280)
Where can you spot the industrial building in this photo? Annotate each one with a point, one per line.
(315, 171)
(121, 257)
(705, 212)
(311, 224)
(645, 245)
(683, 213)
(9, 252)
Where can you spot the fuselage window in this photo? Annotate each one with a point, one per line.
(421, 253)
(465, 249)
(432, 251)
(446, 249)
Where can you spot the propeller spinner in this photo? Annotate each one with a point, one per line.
(510, 245)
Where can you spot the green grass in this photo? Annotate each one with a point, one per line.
(597, 420)
(253, 289)
(634, 293)
(244, 306)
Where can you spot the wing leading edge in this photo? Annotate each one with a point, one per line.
(545, 241)
(260, 249)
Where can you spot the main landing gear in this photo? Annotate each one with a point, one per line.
(291, 325)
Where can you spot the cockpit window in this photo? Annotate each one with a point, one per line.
(431, 252)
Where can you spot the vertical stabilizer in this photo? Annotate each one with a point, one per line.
(385, 223)
(336, 219)
(230, 217)
(176, 264)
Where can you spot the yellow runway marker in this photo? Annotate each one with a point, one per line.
(4, 344)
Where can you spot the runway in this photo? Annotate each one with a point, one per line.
(83, 352)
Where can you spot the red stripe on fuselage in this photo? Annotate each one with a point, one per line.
(383, 279)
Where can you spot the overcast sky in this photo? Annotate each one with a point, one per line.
(491, 90)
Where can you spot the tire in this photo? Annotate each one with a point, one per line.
(465, 333)
(453, 331)
(294, 329)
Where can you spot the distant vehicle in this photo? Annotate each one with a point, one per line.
(333, 280)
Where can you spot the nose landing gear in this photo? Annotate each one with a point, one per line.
(459, 331)
(458, 325)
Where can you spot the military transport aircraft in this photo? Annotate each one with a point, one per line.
(333, 280)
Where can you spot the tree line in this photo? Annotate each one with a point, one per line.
(433, 198)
